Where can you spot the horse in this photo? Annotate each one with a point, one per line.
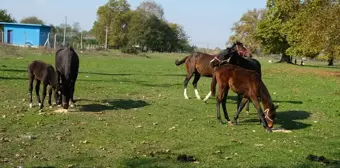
(197, 64)
(46, 74)
(239, 55)
(67, 67)
(247, 83)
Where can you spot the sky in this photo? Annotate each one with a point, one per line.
(208, 23)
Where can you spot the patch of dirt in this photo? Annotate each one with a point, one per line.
(320, 72)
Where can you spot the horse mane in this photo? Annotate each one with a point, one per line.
(265, 95)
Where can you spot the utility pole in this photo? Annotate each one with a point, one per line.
(55, 42)
(81, 40)
(107, 32)
(65, 31)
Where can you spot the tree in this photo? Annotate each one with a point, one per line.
(32, 20)
(314, 30)
(244, 30)
(150, 8)
(269, 29)
(115, 16)
(6, 17)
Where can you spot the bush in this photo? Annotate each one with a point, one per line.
(129, 50)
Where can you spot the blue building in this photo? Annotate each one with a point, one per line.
(25, 34)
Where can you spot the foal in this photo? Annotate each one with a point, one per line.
(247, 83)
(46, 74)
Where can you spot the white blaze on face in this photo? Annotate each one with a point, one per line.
(185, 94)
(197, 95)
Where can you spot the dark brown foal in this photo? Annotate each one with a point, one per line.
(45, 74)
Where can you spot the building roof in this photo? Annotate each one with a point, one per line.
(24, 24)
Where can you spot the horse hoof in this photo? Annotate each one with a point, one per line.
(51, 107)
(220, 122)
(230, 123)
(72, 105)
(247, 112)
(269, 130)
(31, 105)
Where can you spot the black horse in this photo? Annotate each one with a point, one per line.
(67, 67)
(232, 55)
(46, 74)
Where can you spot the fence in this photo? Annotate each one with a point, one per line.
(2, 36)
(76, 41)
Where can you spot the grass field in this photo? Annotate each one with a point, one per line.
(131, 113)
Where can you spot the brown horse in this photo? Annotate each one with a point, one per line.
(46, 74)
(247, 83)
(197, 64)
(233, 56)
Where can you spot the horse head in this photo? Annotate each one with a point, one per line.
(222, 57)
(242, 50)
(270, 114)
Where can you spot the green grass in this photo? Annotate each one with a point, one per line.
(130, 107)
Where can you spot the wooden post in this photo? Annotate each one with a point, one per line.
(25, 39)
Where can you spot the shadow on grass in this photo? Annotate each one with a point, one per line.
(287, 119)
(127, 74)
(153, 162)
(116, 104)
(107, 74)
(292, 102)
(12, 78)
(322, 66)
(13, 70)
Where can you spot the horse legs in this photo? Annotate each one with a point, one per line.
(43, 94)
(186, 81)
(219, 100)
(207, 97)
(224, 106)
(240, 107)
(256, 103)
(196, 79)
(247, 107)
(30, 88)
(71, 94)
(50, 96)
(37, 88)
(59, 98)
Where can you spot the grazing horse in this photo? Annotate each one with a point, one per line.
(46, 74)
(67, 67)
(247, 83)
(198, 64)
(238, 55)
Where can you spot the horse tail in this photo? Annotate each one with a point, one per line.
(213, 85)
(179, 62)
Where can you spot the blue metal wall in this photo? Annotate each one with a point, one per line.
(44, 34)
(35, 35)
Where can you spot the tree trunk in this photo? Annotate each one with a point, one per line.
(331, 61)
(286, 59)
